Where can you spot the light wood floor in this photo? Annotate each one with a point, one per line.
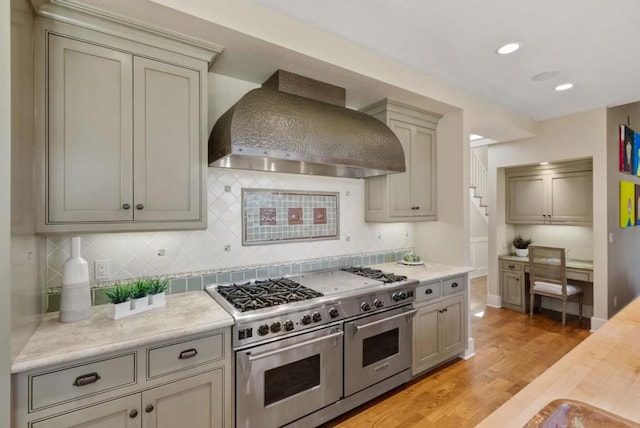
(511, 350)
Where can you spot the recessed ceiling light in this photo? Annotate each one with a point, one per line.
(474, 137)
(564, 86)
(508, 48)
(545, 76)
(544, 163)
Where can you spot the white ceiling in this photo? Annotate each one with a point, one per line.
(592, 43)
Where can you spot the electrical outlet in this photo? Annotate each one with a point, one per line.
(101, 269)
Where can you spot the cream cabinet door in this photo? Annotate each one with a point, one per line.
(513, 290)
(167, 155)
(423, 172)
(89, 138)
(527, 199)
(401, 191)
(426, 337)
(571, 198)
(196, 402)
(453, 326)
(121, 413)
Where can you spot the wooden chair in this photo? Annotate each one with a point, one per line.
(548, 277)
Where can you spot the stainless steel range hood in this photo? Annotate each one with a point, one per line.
(298, 125)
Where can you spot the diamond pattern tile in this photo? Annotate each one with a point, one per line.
(133, 255)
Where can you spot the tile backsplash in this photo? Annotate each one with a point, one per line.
(219, 247)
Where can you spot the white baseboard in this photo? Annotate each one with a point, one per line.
(596, 323)
(470, 351)
(494, 300)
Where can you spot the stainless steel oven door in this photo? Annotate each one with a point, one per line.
(377, 347)
(279, 382)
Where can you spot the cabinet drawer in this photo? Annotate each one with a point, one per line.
(80, 381)
(579, 275)
(454, 285)
(511, 266)
(174, 357)
(429, 291)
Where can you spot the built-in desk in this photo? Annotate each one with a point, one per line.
(514, 280)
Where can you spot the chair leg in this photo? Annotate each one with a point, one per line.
(564, 313)
(532, 300)
(580, 313)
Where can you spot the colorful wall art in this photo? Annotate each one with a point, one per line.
(637, 200)
(280, 216)
(627, 204)
(627, 151)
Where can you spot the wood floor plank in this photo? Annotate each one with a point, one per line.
(511, 351)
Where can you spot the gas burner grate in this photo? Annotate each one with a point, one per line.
(265, 293)
(375, 274)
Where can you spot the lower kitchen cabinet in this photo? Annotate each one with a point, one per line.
(440, 324)
(512, 285)
(120, 413)
(194, 388)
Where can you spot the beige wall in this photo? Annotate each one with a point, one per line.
(5, 200)
(576, 136)
(623, 266)
(447, 240)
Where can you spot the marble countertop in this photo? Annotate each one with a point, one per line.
(602, 371)
(424, 273)
(571, 263)
(54, 342)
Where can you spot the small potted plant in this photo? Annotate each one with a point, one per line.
(158, 287)
(521, 245)
(139, 292)
(119, 297)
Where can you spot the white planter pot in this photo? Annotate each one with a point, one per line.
(158, 300)
(522, 252)
(141, 304)
(119, 310)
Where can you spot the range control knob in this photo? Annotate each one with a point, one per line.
(288, 325)
(399, 296)
(276, 327)
(378, 303)
(365, 307)
(263, 330)
(316, 317)
(333, 313)
(306, 320)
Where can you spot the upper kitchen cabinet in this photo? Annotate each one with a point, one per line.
(411, 195)
(550, 194)
(122, 121)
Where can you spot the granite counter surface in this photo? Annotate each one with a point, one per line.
(54, 342)
(602, 371)
(424, 273)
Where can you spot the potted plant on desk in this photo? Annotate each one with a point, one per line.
(521, 245)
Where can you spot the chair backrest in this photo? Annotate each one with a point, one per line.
(548, 264)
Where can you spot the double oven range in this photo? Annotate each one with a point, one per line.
(311, 347)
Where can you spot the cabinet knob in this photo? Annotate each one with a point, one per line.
(133, 413)
(126, 206)
(139, 206)
(149, 408)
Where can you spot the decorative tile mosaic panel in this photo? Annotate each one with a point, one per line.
(280, 216)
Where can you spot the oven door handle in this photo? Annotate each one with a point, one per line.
(251, 358)
(357, 328)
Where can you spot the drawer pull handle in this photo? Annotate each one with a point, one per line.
(126, 206)
(86, 379)
(133, 413)
(149, 408)
(189, 353)
(429, 291)
(139, 207)
(511, 266)
(454, 285)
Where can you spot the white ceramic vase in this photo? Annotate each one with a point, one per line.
(75, 298)
(522, 252)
